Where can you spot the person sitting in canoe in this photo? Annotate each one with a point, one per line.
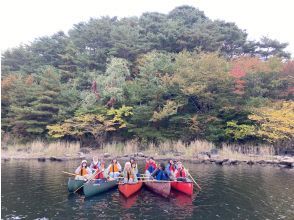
(160, 173)
(83, 171)
(134, 166)
(180, 172)
(128, 174)
(114, 169)
(151, 166)
(170, 168)
(96, 168)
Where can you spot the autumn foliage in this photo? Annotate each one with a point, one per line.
(157, 77)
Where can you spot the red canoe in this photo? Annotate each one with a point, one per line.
(184, 187)
(160, 187)
(128, 189)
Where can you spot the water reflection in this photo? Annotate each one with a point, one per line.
(31, 190)
(127, 203)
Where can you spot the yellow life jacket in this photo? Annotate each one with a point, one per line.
(113, 168)
(130, 175)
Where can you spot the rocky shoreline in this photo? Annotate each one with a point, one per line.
(286, 162)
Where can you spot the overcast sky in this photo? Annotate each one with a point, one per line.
(24, 20)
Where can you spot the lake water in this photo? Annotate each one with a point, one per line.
(38, 190)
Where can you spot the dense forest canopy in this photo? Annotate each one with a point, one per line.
(155, 77)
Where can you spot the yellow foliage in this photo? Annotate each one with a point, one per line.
(96, 124)
(196, 74)
(275, 122)
(170, 108)
(119, 114)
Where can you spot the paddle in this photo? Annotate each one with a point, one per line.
(158, 181)
(93, 175)
(72, 174)
(194, 180)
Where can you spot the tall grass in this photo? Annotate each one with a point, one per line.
(172, 149)
(166, 149)
(169, 149)
(247, 152)
(42, 149)
(118, 148)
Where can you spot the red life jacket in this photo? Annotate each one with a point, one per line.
(99, 175)
(153, 165)
(171, 168)
(181, 173)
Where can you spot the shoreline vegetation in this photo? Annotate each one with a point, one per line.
(197, 152)
(155, 78)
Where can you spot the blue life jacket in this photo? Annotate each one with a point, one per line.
(161, 175)
(151, 169)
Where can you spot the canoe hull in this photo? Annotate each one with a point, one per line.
(161, 188)
(91, 188)
(184, 187)
(73, 185)
(129, 189)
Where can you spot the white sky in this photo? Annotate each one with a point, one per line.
(24, 20)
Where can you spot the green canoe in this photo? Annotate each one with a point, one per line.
(73, 184)
(93, 188)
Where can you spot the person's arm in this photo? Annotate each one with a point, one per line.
(119, 167)
(108, 169)
(135, 177)
(92, 166)
(167, 169)
(185, 173)
(176, 173)
(78, 170)
(89, 170)
(155, 172)
(166, 173)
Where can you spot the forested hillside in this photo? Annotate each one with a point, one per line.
(175, 76)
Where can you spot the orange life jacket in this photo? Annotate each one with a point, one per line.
(113, 168)
(84, 172)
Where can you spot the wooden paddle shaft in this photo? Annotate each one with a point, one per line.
(194, 180)
(72, 174)
(93, 175)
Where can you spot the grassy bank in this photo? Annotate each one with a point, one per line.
(196, 149)
(40, 149)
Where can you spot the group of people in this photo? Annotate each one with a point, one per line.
(174, 170)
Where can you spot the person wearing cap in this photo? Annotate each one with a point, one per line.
(160, 173)
(114, 169)
(180, 172)
(83, 171)
(129, 174)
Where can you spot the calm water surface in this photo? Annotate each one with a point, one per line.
(36, 190)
